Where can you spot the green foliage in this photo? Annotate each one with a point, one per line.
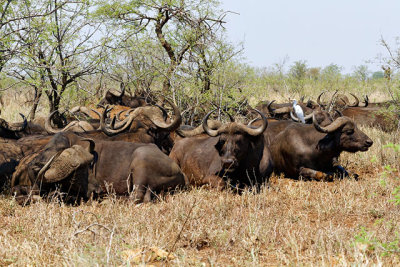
(331, 75)
(361, 73)
(396, 196)
(299, 69)
(366, 241)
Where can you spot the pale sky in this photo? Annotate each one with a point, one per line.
(344, 32)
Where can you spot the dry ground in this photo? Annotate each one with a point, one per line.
(289, 223)
(345, 222)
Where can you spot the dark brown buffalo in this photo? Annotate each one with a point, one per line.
(385, 104)
(79, 167)
(231, 151)
(12, 151)
(20, 129)
(125, 100)
(339, 101)
(311, 151)
(145, 124)
(13, 130)
(10, 154)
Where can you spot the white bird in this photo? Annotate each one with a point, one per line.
(299, 111)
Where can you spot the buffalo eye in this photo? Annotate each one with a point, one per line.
(350, 132)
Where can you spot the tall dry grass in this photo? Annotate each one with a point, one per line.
(288, 223)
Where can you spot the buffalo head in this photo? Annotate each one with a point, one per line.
(235, 140)
(344, 132)
(61, 164)
(12, 131)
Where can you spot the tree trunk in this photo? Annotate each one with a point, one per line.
(54, 102)
(38, 94)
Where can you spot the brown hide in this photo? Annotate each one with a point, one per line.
(232, 151)
(373, 116)
(301, 145)
(139, 167)
(118, 165)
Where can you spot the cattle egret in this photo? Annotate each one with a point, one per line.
(299, 111)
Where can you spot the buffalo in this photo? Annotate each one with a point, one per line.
(374, 116)
(79, 167)
(231, 151)
(311, 151)
(124, 100)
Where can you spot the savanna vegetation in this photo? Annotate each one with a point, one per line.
(55, 54)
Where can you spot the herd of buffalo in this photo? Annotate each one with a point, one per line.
(133, 147)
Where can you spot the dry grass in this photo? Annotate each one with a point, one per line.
(290, 222)
(345, 222)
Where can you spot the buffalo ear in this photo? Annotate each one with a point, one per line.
(67, 162)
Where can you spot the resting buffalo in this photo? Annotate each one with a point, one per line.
(231, 151)
(311, 151)
(339, 101)
(79, 167)
(283, 111)
(145, 124)
(125, 100)
(19, 129)
(379, 116)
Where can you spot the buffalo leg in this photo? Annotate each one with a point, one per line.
(315, 175)
(342, 172)
(139, 193)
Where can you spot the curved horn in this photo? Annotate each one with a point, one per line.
(81, 126)
(282, 110)
(213, 124)
(97, 113)
(339, 112)
(270, 109)
(319, 99)
(259, 130)
(253, 121)
(128, 118)
(118, 115)
(309, 116)
(339, 122)
(19, 128)
(164, 112)
(162, 124)
(356, 101)
(333, 98)
(46, 166)
(207, 129)
(47, 124)
(232, 119)
(126, 123)
(13, 128)
(122, 87)
(294, 118)
(366, 100)
(92, 144)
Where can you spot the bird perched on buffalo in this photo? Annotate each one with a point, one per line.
(299, 111)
